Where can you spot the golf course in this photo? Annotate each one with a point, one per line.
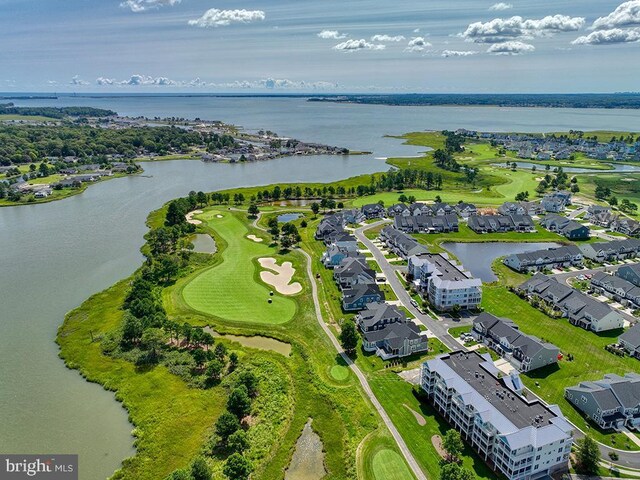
(232, 289)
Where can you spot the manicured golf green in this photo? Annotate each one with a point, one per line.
(232, 290)
(389, 465)
(339, 372)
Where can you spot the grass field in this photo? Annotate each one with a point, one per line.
(591, 360)
(389, 465)
(231, 290)
(26, 118)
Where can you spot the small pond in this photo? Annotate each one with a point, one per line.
(307, 462)
(288, 217)
(478, 257)
(203, 243)
(257, 342)
(616, 167)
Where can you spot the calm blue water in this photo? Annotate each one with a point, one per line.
(288, 217)
(56, 255)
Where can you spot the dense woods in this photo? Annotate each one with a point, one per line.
(27, 143)
(55, 112)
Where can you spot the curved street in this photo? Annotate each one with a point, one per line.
(440, 330)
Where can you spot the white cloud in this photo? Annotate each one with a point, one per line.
(458, 53)
(143, 5)
(76, 80)
(500, 30)
(138, 80)
(105, 81)
(626, 14)
(332, 34)
(417, 44)
(609, 37)
(222, 18)
(353, 45)
(510, 48)
(498, 7)
(387, 38)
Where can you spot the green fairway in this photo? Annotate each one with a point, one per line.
(389, 465)
(232, 290)
(591, 360)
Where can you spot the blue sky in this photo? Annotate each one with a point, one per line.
(319, 46)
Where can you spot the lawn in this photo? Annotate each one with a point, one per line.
(389, 465)
(26, 118)
(396, 395)
(465, 234)
(591, 360)
(232, 289)
(457, 331)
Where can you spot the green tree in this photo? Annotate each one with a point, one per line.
(131, 328)
(249, 380)
(239, 402)
(226, 425)
(238, 441)
(237, 467)
(452, 443)
(315, 208)
(214, 370)
(179, 475)
(588, 456)
(153, 339)
(453, 471)
(349, 336)
(233, 361)
(200, 470)
(253, 210)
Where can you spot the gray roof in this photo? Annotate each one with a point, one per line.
(632, 336)
(476, 378)
(550, 255)
(351, 295)
(378, 312)
(505, 328)
(394, 334)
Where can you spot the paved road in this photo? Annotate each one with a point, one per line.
(564, 276)
(439, 329)
(413, 464)
(406, 453)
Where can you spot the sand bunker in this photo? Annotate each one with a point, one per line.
(254, 238)
(218, 216)
(419, 418)
(281, 278)
(191, 220)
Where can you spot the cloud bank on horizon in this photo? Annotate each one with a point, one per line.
(260, 44)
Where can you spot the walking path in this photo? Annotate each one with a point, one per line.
(411, 461)
(406, 453)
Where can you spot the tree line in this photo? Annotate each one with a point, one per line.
(20, 144)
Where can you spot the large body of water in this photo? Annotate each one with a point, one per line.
(53, 256)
